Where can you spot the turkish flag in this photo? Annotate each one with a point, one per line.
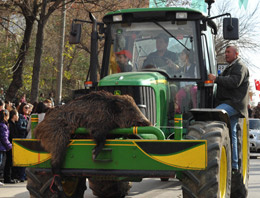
(257, 85)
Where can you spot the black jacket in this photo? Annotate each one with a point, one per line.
(159, 61)
(13, 131)
(189, 73)
(22, 126)
(232, 87)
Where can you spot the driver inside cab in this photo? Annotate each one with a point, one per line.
(162, 58)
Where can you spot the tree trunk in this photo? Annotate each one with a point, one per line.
(38, 55)
(17, 81)
(37, 62)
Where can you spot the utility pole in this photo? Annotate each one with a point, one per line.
(60, 59)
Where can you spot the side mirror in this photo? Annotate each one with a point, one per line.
(230, 28)
(75, 33)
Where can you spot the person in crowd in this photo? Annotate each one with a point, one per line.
(8, 105)
(17, 104)
(40, 111)
(23, 99)
(48, 103)
(5, 144)
(123, 59)
(13, 120)
(51, 98)
(232, 94)
(41, 97)
(22, 131)
(256, 111)
(250, 111)
(9, 171)
(162, 57)
(34, 107)
(30, 108)
(23, 119)
(2, 105)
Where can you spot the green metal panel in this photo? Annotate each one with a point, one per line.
(178, 126)
(34, 122)
(133, 79)
(152, 79)
(119, 155)
(158, 134)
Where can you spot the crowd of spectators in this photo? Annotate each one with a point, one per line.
(15, 122)
(254, 112)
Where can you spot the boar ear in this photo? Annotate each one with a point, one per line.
(114, 107)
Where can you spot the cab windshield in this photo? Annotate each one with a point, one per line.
(164, 46)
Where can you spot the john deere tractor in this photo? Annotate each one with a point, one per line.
(189, 138)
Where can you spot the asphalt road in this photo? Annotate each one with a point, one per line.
(148, 188)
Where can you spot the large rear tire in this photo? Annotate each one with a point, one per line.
(109, 189)
(239, 187)
(38, 185)
(215, 181)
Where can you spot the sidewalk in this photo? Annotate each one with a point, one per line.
(14, 190)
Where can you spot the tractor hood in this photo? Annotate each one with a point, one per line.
(133, 79)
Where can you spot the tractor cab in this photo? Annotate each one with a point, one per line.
(175, 43)
(169, 46)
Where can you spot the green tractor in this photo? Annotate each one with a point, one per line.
(189, 138)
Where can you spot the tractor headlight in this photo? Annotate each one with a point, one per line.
(181, 15)
(117, 18)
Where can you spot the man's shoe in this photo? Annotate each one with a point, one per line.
(234, 171)
(1, 184)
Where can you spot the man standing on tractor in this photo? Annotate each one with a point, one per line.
(232, 94)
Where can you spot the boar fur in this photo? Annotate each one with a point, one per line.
(98, 111)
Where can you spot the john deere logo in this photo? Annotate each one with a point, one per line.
(117, 92)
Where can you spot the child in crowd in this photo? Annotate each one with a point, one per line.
(9, 171)
(5, 144)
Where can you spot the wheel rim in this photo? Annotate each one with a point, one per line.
(223, 172)
(245, 151)
(69, 186)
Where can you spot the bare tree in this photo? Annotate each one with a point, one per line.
(44, 15)
(29, 10)
(248, 25)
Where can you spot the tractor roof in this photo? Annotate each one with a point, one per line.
(150, 14)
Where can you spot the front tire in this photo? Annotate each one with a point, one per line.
(38, 185)
(215, 181)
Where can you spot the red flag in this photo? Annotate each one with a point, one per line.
(257, 85)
